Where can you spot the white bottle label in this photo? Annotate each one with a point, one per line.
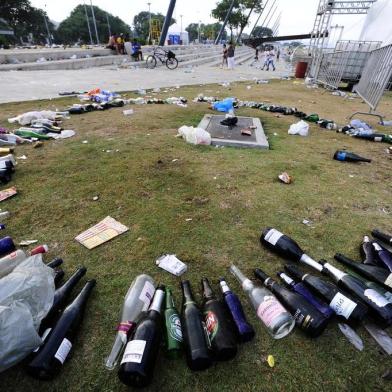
(146, 294)
(269, 310)
(63, 350)
(273, 236)
(376, 297)
(134, 351)
(388, 281)
(342, 305)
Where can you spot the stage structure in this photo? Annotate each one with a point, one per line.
(322, 24)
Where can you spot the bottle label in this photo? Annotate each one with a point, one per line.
(126, 328)
(63, 350)
(206, 334)
(175, 327)
(146, 294)
(273, 236)
(212, 324)
(269, 309)
(301, 319)
(134, 351)
(388, 281)
(376, 297)
(342, 305)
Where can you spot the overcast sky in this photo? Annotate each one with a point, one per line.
(297, 16)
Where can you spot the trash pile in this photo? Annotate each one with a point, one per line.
(356, 128)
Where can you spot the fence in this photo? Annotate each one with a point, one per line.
(331, 69)
(375, 77)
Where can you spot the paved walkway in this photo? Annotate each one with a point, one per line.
(18, 86)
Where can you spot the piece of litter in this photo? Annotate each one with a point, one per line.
(248, 87)
(275, 134)
(307, 222)
(172, 264)
(271, 361)
(22, 157)
(27, 242)
(380, 336)
(351, 335)
(7, 193)
(351, 175)
(95, 198)
(102, 232)
(246, 131)
(188, 219)
(85, 141)
(285, 178)
(174, 160)
(127, 112)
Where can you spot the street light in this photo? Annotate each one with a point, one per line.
(149, 23)
(47, 28)
(181, 28)
(199, 32)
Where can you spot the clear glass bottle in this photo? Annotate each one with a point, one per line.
(277, 320)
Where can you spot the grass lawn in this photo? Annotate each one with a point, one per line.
(230, 194)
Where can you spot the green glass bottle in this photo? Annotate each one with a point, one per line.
(314, 117)
(173, 332)
(29, 133)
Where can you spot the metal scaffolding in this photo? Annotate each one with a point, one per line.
(322, 24)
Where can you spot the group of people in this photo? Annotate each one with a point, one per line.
(228, 56)
(122, 45)
(269, 55)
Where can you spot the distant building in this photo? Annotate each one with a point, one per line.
(4, 28)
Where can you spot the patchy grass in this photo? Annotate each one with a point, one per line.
(230, 194)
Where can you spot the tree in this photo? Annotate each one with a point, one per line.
(209, 31)
(239, 17)
(260, 32)
(75, 28)
(141, 23)
(25, 19)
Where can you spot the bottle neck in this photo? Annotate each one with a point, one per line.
(187, 292)
(207, 290)
(366, 239)
(71, 282)
(376, 247)
(286, 279)
(157, 301)
(80, 301)
(224, 287)
(169, 299)
(245, 282)
(336, 273)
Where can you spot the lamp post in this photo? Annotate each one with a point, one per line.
(181, 28)
(47, 28)
(88, 24)
(199, 32)
(149, 23)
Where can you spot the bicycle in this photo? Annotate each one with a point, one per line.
(164, 56)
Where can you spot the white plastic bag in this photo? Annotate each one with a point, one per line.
(26, 296)
(300, 128)
(195, 135)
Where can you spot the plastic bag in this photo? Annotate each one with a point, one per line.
(224, 106)
(27, 118)
(26, 296)
(195, 135)
(300, 128)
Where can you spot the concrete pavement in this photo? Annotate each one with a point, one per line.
(31, 85)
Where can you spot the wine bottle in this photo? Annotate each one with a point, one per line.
(277, 320)
(372, 272)
(197, 345)
(306, 316)
(61, 296)
(342, 303)
(387, 238)
(50, 357)
(245, 331)
(367, 251)
(55, 262)
(136, 301)
(173, 332)
(372, 285)
(384, 255)
(219, 326)
(349, 157)
(301, 289)
(6, 246)
(286, 247)
(141, 351)
(378, 305)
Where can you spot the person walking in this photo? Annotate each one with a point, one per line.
(230, 56)
(271, 56)
(224, 56)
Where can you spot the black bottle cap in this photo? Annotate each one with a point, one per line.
(261, 275)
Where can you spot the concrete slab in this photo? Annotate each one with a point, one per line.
(222, 135)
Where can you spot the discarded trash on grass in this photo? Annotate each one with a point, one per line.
(27, 242)
(127, 112)
(95, 198)
(271, 361)
(102, 232)
(300, 128)
(188, 219)
(171, 264)
(22, 157)
(246, 131)
(351, 335)
(307, 222)
(194, 135)
(285, 178)
(7, 193)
